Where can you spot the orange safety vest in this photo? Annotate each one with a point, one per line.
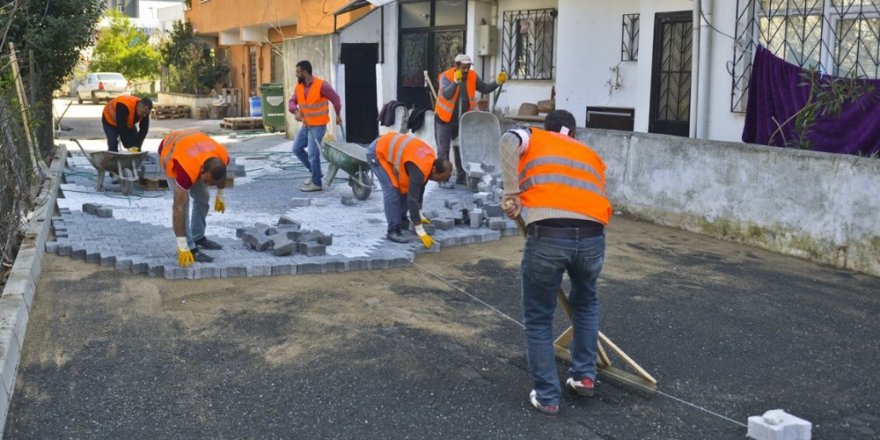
(558, 172)
(445, 107)
(394, 150)
(127, 100)
(315, 109)
(190, 149)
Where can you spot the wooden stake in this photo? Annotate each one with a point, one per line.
(25, 112)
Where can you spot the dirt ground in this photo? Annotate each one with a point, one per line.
(435, 350)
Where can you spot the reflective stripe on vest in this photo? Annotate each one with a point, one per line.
(315, 109)
(558, 172)
(129, 102)
(445, 107)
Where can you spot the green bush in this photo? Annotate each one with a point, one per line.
(190, 65)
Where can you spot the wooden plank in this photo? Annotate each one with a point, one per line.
(626, 359)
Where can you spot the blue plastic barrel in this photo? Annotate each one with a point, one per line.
(256, 106)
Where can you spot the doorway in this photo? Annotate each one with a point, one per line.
(360, 61)
(671, 74)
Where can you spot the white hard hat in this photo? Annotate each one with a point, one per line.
(463, 59)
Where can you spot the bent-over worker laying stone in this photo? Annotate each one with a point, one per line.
(119, 118)
(193, 161)
(404, 164)
(561, 183)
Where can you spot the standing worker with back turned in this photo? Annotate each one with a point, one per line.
(451, 103)
(561, 183)
(193, 161)
(310, 105)
(404, 164)
(119, 116)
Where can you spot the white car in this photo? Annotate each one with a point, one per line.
(102, 85)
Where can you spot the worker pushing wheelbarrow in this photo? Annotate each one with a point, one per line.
(351, 158)
(122, 166)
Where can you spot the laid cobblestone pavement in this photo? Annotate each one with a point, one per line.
(138, 236)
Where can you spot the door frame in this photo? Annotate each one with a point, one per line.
(655, 125)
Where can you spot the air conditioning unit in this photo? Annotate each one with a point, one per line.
(487, 40)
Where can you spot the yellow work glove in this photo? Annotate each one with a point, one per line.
(457, 76)
(134, 150)
(426, 239)
(184, 255)
(501, 78)
(425, 220)
(219, 206)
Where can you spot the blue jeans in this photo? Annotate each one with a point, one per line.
(195, 223)
(395, 202)
(543, 264)
(311, 138)
(112, 135)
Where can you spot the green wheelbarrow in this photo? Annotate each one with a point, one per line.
(122, 166)
(351, 158)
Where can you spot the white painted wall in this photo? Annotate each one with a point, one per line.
(588, 47)
(723, 124)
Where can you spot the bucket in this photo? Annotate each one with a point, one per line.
(255, 106)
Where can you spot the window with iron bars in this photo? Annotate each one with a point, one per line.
(837, 37)
(527, 43)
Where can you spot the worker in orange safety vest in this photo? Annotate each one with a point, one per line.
(192, 161)
(119, 118)
(561, 183)
(452, 101)
(404, 164)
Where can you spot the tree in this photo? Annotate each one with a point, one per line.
(125, 49)
(190, 62)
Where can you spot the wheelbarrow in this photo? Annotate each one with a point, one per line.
(351, 158)
(122, 166)
(479, 134)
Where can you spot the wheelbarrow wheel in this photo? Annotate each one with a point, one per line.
(362, 184)
(126, 182)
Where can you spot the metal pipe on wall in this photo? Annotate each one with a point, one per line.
(705, 70)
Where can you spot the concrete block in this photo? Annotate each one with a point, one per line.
(202, 272)
(326, 240)
(379, 263)
(284, 247)
(488, 167)
(358, 264)
(311, 248)
(259, 270)
(123, 263)
(476, 218)
(307, 268)
(78, 254)
(300, 203)
(236, 271)
(493, 210)
(400, 262)
(93, 256)
(497, 224)
(776, 424)
(348, 200)
(90, 208)
(474, 170)
(176, 273)
(311, 236)
(138, 266)
(108, 260)
(284, 269)
(444, 224)
(334, 266)
(430, 229)
(285, 220)
(104, 212)
(156, 270)
(239, 232)
(52, 247)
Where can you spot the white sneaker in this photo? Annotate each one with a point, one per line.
(311, 187)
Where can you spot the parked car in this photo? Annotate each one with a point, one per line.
(102, 85)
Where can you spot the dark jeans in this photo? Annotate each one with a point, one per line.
(395, 202)
(544, 262)
(445, 133)
(112, 135)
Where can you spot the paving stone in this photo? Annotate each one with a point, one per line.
(284, 269)
(334, 266)
(52, 247)
(497, 224)
(348, 200)
(307, 268)
(326, 240)
(259, 270)
(90, 208)
(123, 263)
(400, 262)
(156, 270)
(476, 218)
(285, 220)
(284, 248)
(430, 229)
(93, 256)
(379, 263)
(236, 271)
(78, 254)
(493, 210)
(108, 260)
(201, 272)
(239, 232)
(176, 273)
(358, 264)
(444, 224)
(300, 203)
(311, 249)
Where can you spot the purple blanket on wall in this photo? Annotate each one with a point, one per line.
(774, 93)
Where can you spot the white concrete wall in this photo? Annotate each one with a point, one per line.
(723, 124)
(386, 72)
(321, 52)
(812, 205)
(588, 47)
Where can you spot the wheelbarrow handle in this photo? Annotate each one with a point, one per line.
(86, 154)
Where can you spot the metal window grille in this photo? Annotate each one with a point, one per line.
(837, 37)
(527, 46)
(629, 44)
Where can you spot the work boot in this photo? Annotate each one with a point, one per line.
(311, 187)
(461, 179)
(584, 387)
(547, 410)
(396, 237)
(201, 257)
(204, 242)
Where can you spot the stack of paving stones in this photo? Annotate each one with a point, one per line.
(150, 168)
(286, 238)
